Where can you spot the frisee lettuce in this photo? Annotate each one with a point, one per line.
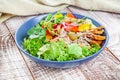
(32, 45)
(89, 51)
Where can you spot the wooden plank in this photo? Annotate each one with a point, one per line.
(96, 69)
(111, 23)
(12, 65)
(103, 67)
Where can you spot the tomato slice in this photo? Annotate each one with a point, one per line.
(61, 25)
(70, 15)
(72, 28)
(55, 26)
(47, 32)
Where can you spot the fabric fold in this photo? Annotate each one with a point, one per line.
(32, 7)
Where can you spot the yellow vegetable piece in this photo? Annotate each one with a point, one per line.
(84, 27)
(59, 15)
(48, 37)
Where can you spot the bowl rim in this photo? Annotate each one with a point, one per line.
(76, 60)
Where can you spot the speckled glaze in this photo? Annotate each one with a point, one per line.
(21, 33)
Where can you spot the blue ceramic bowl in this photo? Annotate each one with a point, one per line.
(21, 33)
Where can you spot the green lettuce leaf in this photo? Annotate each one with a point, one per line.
(32, 45)
(85, 51)
(37, 32)
(43, 49)
(89, 51)
(54, 51)
(75, 50)
(49, 16)
(94, 48)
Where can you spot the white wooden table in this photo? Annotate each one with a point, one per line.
(16, 66)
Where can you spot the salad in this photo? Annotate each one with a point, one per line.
(61, 37)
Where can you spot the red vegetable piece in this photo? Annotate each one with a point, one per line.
(47, 32)
(55, 26)
(72, 28)
(61, 25)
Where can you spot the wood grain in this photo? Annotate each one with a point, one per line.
(101, 68)
(12, 65)
(104, 67)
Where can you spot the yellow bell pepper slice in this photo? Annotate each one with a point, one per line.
(48, 37)
(58, 15)
(84, 27)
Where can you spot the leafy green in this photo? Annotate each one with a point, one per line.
(75, 50)
(43, 49)
(60, 51)
(50, 20)
(37, 32)
(58, 17)
(32, 45)
(49, 25)
(94, 48)
(49, 16)
(36, 39)
(53, 51)
(42, 22)
(85, 50)
(89, 51)
(63, 57)
(58, 20)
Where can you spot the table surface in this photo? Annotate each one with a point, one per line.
(16, 66)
